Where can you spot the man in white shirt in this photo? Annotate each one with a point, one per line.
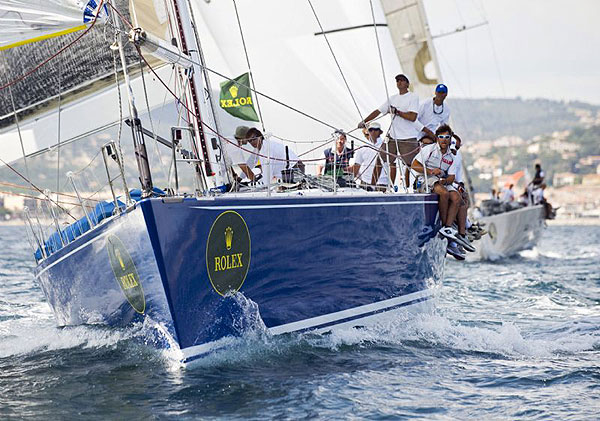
(439, 163)
(508, 194)
(274, 156)
(401, 141)
(238, 151)
(365, 159)
(433, 112)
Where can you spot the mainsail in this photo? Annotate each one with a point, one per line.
(408, 27)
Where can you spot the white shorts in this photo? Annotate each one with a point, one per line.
(432, 179)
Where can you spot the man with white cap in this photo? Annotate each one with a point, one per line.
(366, 157)
(433, 113)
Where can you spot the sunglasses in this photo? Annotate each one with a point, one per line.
(444, 136)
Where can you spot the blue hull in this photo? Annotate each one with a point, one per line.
(306, 263)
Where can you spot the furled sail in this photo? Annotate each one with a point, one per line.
(26, 21)
(407, 24)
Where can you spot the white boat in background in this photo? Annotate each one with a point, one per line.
(509, 233)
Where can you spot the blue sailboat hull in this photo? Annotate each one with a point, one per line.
(300, 263)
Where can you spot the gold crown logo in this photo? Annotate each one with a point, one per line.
(233, 91)
(228, 237)
(118, 256)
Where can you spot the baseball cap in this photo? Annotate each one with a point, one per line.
(402, 77)
(240, 132)
(441, 88)
(374, 126)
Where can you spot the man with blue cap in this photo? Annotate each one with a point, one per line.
(433, 112)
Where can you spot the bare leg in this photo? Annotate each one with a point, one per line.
(393, 171)
(452, 208)
(443, 201)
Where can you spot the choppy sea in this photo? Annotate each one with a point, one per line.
(513, 339)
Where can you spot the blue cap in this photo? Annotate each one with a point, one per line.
(441, 88)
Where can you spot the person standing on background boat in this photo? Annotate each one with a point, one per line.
(401, 141)
(365, 159)
(508, 194)
(538, 178)
(340, 157)
(439, 163)
(272, 153)
(536, 183)
(433, 112)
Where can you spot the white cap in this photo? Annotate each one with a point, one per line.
(374, 125)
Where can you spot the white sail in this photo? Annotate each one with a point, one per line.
(26, 21)
(408, 27)
(152, 16)
(293, 64)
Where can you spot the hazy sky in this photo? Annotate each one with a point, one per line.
(544, 48)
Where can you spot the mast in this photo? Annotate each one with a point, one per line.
(211, 172)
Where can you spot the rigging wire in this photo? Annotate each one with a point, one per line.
(22, 187)
(34, 186)
(156, 149)
(387, 94)
(248, 62)
(53, 56)
(336, 60)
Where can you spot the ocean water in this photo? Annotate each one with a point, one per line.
(514, 339)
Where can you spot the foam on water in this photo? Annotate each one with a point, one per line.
(504, 339)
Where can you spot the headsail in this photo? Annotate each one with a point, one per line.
(408, 27)
(26, 21)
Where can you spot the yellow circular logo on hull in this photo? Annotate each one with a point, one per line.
(228, 252)
(126, 273)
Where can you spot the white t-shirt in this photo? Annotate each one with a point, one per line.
(402, 128)
(458, 177)
(276, 151)
(431, 116)
(537, 195)
(507, 195)
(237, 154)
(432, 157)
(366, 157)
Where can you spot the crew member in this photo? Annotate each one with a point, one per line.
(274, 156)
(366, 157)
(433, 112)
(402, 136)
(438, 161)
(340, 157)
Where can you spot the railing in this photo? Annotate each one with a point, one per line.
(54, 224)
